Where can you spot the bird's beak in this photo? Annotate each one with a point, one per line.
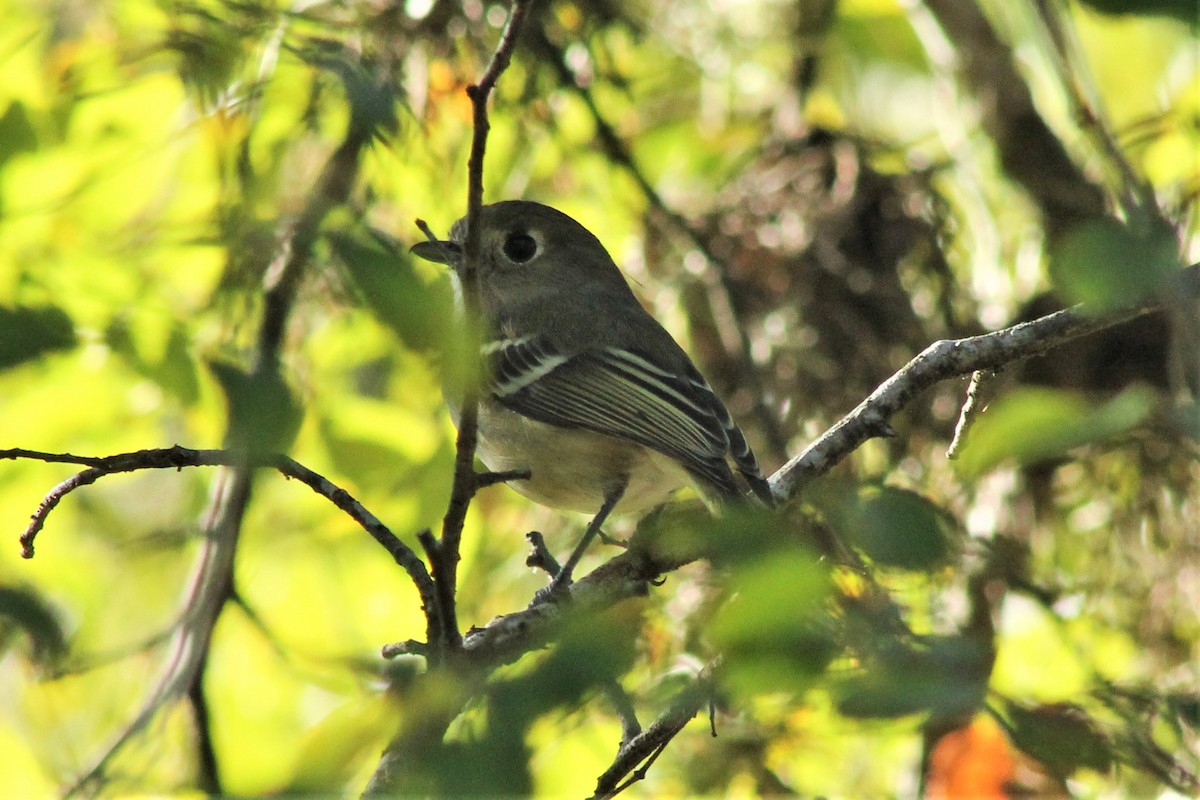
(439, 251)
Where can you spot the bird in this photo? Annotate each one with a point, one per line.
(582, 387)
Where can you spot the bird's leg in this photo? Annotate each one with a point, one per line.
(563, 579)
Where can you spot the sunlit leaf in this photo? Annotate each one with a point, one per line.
(1032, 425)
(776, 630)
(334, 751)
(174, 371)
(418, 311)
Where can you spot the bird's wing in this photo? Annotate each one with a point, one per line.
(623, 393)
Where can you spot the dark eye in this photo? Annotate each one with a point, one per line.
(520, 247)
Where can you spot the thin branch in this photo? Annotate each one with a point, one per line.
(949, 359)
(618, 698)
(540, 556)
(508, 637)
(212, 580)
(485, 479)
(179, 457)
(636, 756)
(208, 777)
(445, 554)
(968, 414)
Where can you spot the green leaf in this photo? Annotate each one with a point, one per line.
(740, 533)
(329, 753)
(1183, 10)
(1109, 264)
(17, 134)
(776, 632)
(264, 414)
(893, 527)
(174, 371)
(25, 611)
(1033, 425)
(27, 333)
(371, 95)
(941, 675)
(1062, 736)
(1185, 706)
(419, 311)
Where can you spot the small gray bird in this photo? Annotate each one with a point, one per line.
(583, 387)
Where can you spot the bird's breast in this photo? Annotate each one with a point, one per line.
(573, 468)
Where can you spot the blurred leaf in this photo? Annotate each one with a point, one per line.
(776, 630)
(496, 763)
(264, 414)
(1110, 264)
(1061, 736)
(1184, 10)
(334, 750)
(1185, 706)
(25, 611)
(211, 44)
(592, 649)
(1187, 417)
(365, 460)
(1032, 425)
(945, 676)
(27, 333)
(17, 134)
(738, 534)
(419, 312)
(175, 371)
(894, 527)
(370, 91)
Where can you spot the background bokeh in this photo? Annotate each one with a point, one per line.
(806, 194)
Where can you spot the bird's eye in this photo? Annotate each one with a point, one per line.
(520, 247)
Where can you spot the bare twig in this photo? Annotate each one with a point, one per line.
(446, 553)
(179, 457)
(948, 359)
(618, 698)
(968, 415)
(508, 637)
(540, 556)
(635, 756)
(485, 479)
